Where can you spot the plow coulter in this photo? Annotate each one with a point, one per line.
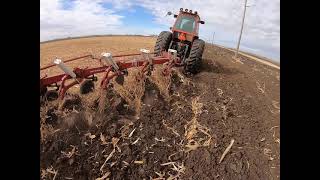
(112, 67)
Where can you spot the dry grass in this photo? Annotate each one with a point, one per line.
(132, 89)
(185, 81)
(46, 172)
(261, 88)
(45, 129)
(162, 82)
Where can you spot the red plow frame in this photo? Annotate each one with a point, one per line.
(108, 66)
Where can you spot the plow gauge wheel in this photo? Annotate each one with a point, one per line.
(86, 87)
(120, 79)
(51, 95)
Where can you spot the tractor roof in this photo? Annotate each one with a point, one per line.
(189, 12)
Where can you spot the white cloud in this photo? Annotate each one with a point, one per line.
(120, 4)
(84, 18)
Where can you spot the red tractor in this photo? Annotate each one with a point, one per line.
(184, 38)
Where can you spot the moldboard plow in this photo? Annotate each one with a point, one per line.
(112, 67)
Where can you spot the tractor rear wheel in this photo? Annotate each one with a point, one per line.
(193, 62)
(163, 42)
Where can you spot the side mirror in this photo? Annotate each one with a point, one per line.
(169, 13)
(201, 22)
(175, 16)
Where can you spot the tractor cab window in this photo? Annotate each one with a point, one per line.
(185, 24)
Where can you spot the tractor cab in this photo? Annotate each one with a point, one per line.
(186, 26)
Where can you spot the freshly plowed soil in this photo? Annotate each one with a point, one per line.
(178, 133)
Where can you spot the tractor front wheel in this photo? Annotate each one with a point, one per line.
(163, 42)
(193, 62)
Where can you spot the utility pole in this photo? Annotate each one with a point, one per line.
(244, 15)
(213, 37)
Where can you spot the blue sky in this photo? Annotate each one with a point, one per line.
(138, 17)
(261, 34)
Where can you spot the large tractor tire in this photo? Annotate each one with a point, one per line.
(193, 62)
(163, 42)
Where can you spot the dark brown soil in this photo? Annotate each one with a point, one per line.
(240, 102)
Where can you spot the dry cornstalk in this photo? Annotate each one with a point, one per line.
(103, 139)
(170, 128)
(54, 177)
(104, 176)
(160, 140)
(52, 171)
(114, 143)
(227, 150)
(69, 154)
(220, 92)
(273, 127)
(110, 155)
(260, 88)
(91, 136)
(168, 163)
(138, 162)
(135, 141)
(161, 175)
(172, 155)
(192, 145)
(132, 132)
(275, 104)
